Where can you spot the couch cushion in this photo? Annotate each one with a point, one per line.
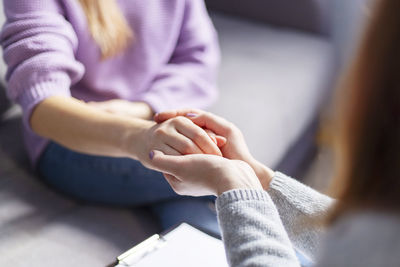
(39, 227)
(308, 15)
(272, 83)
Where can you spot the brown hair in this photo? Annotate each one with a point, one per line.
(369, 119)
(108, 26)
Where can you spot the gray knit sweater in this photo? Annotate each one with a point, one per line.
(262, 228)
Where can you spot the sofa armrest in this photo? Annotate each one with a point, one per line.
(308, 15)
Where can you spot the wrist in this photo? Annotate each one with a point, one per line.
(263, 173)
(234, 186)
(243, 177)
(147, 112)
(133, 141)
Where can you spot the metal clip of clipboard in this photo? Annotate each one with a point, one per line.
(140, 251)
(174, 236)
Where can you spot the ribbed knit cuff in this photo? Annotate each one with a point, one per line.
(58, 84)
(236, 195)
(279, 180)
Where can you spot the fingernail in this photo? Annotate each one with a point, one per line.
(151, 154)
(191, 115)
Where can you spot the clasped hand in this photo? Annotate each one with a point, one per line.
(198, 152)
(205, 173)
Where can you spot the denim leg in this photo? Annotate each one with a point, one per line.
(104, 180)
(123, 182)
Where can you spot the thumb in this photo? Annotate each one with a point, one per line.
(165, 163)
(163, 116)
(166, 115)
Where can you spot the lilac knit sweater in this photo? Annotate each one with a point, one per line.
(49, 51)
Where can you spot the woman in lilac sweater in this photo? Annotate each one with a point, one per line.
(90, 74)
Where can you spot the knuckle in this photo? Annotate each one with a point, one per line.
(230, 127)
(181, 120)
(161, 131)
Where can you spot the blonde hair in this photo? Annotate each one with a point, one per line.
(108, 26)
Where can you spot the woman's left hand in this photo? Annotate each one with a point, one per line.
(200, 174)
(233, 146)
(123, 107)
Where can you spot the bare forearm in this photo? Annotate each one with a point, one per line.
(86, 129)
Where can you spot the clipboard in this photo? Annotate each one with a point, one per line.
(183, 245)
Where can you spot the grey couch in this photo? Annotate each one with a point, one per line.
(273, 80)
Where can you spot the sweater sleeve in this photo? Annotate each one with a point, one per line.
(252, 231)
(39, 45)
(299, 207)
(189, 78)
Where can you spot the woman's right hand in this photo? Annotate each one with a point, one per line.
(175, 136)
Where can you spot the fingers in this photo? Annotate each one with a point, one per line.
(212, 122)
(167, 150)
(203, 119)
(198, 136)
(206, 140)
(212, 135)
(168, 134)
(183, 144)
(166, 163)
(221, 141)
(166, 115)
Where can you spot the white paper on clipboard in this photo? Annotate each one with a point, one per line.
(184, 246)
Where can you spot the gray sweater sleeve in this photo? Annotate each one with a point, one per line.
(252, 231)
(253, 235)
(263, 228)
(299, 207)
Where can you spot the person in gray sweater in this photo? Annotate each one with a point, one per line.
(265, 216)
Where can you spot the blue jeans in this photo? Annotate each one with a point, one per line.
(122, 182)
